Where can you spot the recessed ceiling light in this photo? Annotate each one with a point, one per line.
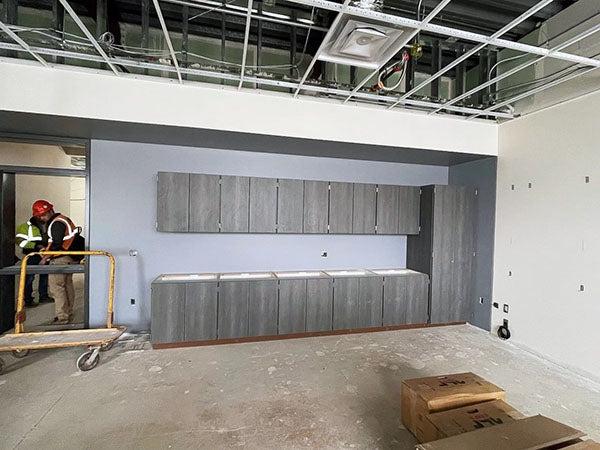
(241, 8)
(276, 15)
(306, 21)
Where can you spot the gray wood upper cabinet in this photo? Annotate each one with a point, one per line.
(262, 308)
(233, 309)
(370, 302)
(345, 303)
(235, 199)
(363, 210)
(290, 204)
(292, 306)
(319, 302)
(168, 312)
(341, 196)
(263, 205)
(201, 311)
(205, 192)
(387, 209)
(316, 205)
(408, 209)
(172, 209)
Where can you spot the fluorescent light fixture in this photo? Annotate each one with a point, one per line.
(362, 43)
(245, 276)
(241, 8)
(306, 21)
(276, 15)
(190, 277)
(298, 274)
(210, 2)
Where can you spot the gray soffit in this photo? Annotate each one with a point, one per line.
(16, 123)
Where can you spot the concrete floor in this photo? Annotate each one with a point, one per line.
(327, 392)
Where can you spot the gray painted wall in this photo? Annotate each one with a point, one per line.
(482, 175)
(123, 215)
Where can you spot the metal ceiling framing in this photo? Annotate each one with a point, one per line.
(585, 64)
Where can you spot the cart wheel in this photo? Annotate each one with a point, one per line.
(88, 360)
(1, 366)
(20, 353)
(106, 347)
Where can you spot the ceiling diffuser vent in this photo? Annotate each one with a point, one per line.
(362, 43)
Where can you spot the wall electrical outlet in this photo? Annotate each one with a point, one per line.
(505, 308)
(132, 301)
(323, 254)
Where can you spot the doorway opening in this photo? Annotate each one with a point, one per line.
(57, 172)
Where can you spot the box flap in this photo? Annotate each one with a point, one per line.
(527, 434)
(588, 444)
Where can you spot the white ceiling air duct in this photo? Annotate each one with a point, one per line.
(362, 43)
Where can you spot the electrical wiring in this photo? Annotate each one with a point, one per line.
(391, 70)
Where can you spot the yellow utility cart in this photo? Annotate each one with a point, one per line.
(96, 340)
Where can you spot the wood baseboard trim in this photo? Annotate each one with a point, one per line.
(278, 337)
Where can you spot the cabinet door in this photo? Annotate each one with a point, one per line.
(201, 311)
(345, 303)
(408, 209)
(263, 205)
(319, 299)
(172, 209)
(442, 262)
(387, 209)
(235, 199)
(262, 308)
(290, 206)
(417, 298)
(168, 311)
(316, 204)
(394, 300)
(233, 309)
(340, 207)
(370, 302)
(292, 306)
(363, 214)
(205, 193)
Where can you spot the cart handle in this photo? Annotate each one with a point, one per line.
(20, 314)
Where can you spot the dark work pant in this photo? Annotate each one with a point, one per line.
(43, 285)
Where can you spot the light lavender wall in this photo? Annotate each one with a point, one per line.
(123, 216)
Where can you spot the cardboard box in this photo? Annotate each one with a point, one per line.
(537, 432)
(422, 396)
(468, 418)
(588, 444)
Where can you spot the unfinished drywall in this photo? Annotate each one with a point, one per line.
(123, 216)
(482, 175)
(547, 251)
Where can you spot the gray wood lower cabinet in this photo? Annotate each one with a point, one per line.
(168, 312)
(292, 306)
(200, 311)
(210, 310)
(345, 303)
(262, 308)
(319, 303)
(233, 309)
(405, 299)
(172, 209)
(370, 302)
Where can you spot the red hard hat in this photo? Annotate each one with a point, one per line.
(40, 207)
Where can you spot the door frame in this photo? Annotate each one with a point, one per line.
(85, 173)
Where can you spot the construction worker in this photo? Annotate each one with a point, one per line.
(63, 235)
(31, 237)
